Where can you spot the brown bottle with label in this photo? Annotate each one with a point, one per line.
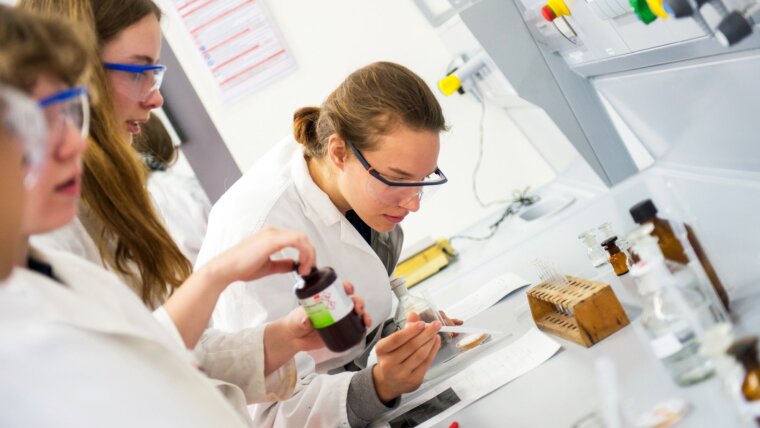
(330, 310)
(645, 212)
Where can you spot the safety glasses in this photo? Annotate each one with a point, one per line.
(137, 82)
(24, 122)
(67, 108)
(397, 192)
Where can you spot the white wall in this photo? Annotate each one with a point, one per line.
(328, 40)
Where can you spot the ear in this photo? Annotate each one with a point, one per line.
(337, 151)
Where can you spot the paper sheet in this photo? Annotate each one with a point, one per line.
(474, 382)
(486, 296)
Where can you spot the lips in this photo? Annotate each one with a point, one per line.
(133, 126)
(70, 187)
(394, 219)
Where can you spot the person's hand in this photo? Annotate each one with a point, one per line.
(251, 258)
(302, 336)
(404, 357)
(450, 321)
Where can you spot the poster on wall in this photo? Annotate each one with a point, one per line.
(239, 43)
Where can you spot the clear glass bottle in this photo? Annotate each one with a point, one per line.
(673, 326)
(407, 303)
(595, 252)
(647, 247)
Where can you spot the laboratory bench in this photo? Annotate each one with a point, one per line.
(562, 392)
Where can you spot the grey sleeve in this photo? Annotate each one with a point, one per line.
(362, 404)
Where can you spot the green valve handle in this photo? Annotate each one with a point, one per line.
(643, 11)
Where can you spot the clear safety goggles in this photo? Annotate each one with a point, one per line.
(138, 82)
(68, 108)
(24, 122)
(398, 192)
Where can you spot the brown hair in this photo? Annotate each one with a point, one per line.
(31, 45)
(114, 178)
(155, 145)
(370, 102)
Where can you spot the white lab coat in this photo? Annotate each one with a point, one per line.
(86, 352)
(184, 207)
(235, 357)
(278, 191)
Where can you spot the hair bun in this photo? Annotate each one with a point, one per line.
(305, 125)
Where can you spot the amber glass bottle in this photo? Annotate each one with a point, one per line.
(645, 212)
(330, 310)
(745, 351)
(618, 260)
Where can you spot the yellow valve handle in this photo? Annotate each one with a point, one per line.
(559, 7)
(657, 9)
(449, 84)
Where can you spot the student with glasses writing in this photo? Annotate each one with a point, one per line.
(355, 168)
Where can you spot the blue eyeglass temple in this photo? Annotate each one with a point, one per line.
(132, 68)
(63, 96)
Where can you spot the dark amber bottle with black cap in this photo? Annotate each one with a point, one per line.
(330, 310)
(618, 259)
(646, 212)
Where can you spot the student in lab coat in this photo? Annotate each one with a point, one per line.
(116, 227)
(77, 348)
(357, 166)
(178, 197)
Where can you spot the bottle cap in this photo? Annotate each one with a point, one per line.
(398, 281)
(744, 349)
(316, 276)
(643, 211)
(609, 241)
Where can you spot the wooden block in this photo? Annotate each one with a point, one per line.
(590, 310)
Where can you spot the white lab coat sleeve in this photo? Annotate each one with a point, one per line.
(238, 358)
(319, 401)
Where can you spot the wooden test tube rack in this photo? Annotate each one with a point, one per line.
(582, 311)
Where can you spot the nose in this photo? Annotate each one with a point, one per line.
(413, 203)
(155, 100)
(72, 145)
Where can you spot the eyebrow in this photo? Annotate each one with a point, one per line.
(143, 58)
(404, 174)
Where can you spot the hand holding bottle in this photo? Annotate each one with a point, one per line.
(294, 333)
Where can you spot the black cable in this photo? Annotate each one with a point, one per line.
(520, 200)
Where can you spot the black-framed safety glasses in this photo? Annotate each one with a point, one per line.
(393, 192)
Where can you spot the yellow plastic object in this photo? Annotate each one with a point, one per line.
(559, 7)
(657, 9)
(449, 84)
(426, 263)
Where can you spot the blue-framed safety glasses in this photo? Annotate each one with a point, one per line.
(397, 192)
(137, 82)
(64, 109)
(23, 121)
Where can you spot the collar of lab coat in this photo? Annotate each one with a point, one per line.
(318, 204)
(88, 298)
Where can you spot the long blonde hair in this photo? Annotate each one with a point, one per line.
(114, 179)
